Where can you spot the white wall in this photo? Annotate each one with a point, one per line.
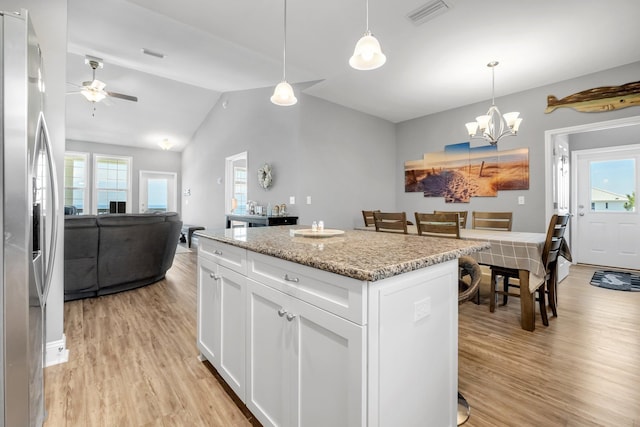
(432, 133)
(343, 159)
(142, 159)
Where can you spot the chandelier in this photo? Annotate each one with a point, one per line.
(493, 126)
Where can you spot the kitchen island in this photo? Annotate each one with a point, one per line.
(359, 329)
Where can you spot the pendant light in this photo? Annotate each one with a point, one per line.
(493, 126)
(367, 55)
(283, 93)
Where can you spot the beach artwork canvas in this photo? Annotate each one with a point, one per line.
(461, 172)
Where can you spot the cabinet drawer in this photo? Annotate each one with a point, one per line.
(285, 220)
(340, 295)
(229, 256)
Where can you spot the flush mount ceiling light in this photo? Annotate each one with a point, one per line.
(165, 144)
(367, 55)
(493, 126)
(283, 94)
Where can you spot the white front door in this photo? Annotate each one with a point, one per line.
(157, 192)
(607, 224)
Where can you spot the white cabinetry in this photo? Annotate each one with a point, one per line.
(221, 311)
(305, 347)
(306, 365)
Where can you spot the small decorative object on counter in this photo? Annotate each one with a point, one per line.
(314, 226)
(320, 225)
(276, 210)
(283, 209)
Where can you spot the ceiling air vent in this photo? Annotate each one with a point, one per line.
(428, 11)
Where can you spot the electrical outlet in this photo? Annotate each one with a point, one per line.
(292, 200)
(308, 200)
(521, 200)
(421, 309)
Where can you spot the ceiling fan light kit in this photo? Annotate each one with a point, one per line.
(93, 90)
(283, 94)
(493, 126)
(367, 54)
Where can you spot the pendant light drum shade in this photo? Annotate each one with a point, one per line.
(283, 95)
(367, 55)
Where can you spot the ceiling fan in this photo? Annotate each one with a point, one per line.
(94, 90)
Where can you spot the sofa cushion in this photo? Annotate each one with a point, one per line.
(131, 248)
(80, 254)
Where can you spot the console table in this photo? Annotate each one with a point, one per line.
(262, 220)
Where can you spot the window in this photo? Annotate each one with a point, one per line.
(613, 185)
(236, 183)
(240, 187)
(112, 182)
(75, 181)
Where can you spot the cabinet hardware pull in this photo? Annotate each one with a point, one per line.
(291, 279)
(214, 276)
(217, 252)
(290, 316)
(282, 312)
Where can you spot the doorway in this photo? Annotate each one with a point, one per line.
(565, 134)
(607, 222)
(235, 192)
(158, 192)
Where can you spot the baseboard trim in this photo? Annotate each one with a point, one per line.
(56, 352)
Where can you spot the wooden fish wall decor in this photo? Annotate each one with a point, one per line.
(605, 98)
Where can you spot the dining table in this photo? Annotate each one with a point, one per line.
(519, 250)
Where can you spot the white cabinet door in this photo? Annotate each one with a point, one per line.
(231, 324)
(329, 374)
(268, 357)
(305, 365)
(208, 310)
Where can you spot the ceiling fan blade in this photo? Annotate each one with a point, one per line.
(122, 96)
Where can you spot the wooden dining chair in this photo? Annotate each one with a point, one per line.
(550, 252)
(390, 222)
(499, 221)
(438, 224)
(462, 214)
(369, 221)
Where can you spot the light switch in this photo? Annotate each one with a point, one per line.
(308, 200)
(521, 200)
(292, 200)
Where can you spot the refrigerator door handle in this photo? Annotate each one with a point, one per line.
(43, 143)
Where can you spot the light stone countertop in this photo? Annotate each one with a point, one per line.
(361, 255)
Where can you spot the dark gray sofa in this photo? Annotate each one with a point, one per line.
(110, 253)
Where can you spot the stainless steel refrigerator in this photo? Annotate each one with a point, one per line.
(28, 220)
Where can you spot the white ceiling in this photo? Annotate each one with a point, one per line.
(216, 46)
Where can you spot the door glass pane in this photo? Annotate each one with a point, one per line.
(157, 197)
(613, 185)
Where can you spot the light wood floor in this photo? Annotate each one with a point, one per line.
(133, 361)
